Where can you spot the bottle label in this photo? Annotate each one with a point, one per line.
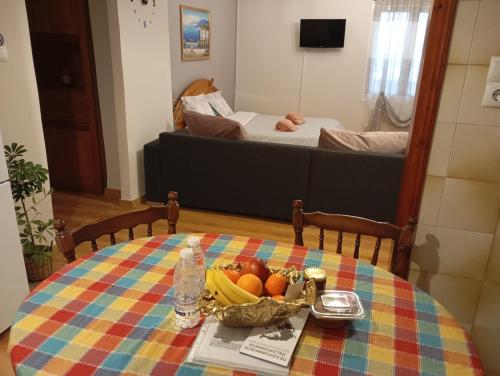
(179, 311)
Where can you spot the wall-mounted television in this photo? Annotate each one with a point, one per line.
(322, 33)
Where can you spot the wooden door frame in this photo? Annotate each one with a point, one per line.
(426, 109)
(97, 104)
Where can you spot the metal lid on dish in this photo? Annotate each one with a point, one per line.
(315, 274)
(337, 305)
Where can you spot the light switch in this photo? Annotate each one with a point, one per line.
(4, 56)
(491, 96)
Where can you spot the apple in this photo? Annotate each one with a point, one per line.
(257, 267)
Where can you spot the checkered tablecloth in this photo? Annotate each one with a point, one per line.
(111, 314)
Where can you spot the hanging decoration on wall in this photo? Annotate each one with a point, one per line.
(195, 33)
(145, 11)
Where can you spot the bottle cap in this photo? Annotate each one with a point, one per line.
(186, 253)
(193, 241)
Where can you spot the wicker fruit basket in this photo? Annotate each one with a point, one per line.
(264, 310)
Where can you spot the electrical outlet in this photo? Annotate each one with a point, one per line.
(491, 96)
(4, 56)
(494, 71)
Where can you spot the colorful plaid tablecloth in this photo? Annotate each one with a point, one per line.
(111, 314)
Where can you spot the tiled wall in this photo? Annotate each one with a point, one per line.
(457, 251)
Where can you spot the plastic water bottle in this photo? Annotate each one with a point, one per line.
(186, 290)
(199, 258)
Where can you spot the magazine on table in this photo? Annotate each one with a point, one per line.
(265, 350)
(275, 343)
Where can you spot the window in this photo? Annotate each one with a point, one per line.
(396, 53)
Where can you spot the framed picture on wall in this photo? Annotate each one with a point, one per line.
(195, 33)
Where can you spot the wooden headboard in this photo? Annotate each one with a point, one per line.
(197, 87)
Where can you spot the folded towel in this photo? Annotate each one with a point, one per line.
(295, 118)
(285, 125)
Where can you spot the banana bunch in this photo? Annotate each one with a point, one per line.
(225, 291)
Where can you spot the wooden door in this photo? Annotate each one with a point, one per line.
(65, 71)
(426, 109)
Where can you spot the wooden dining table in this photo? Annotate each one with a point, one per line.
(111, 313)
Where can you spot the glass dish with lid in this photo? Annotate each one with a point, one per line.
(337, 305)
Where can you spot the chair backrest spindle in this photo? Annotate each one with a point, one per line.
(376, 251)
(357, 243)
(131, 234)
(321, 238)
(339, 242)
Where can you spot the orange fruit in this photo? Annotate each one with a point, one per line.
(275, 284)
(279, 298)
(233, 275)
(250, 283)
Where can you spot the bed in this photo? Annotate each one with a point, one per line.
(260, 127)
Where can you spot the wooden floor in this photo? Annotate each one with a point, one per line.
(77, 210)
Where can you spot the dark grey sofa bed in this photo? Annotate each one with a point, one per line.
(262, 179)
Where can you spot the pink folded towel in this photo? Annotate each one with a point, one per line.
(295, 118)
(285, 125)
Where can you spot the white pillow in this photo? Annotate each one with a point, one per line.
(380, 142)
(218, 102)
(197, 103)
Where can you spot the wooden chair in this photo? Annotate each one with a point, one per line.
(67, 240)
(402, 236)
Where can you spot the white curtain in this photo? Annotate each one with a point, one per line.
(398, 35)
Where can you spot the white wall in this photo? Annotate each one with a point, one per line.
(270, 63)
(222, 63)
(142, 84)
(20, 118)
(104, 73)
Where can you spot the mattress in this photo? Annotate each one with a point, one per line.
(260, 127)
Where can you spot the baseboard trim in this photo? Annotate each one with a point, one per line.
(153, 203)
(132, 204)
(112, 194)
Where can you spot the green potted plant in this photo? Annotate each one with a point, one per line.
(27, 181)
